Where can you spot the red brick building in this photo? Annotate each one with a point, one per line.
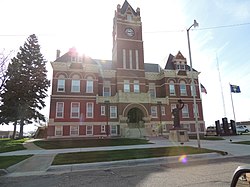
(122, 97)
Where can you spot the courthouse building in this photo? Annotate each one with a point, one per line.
(122, 97)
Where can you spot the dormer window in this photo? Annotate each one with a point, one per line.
(180, 67)
(73, 59)
(129, 17)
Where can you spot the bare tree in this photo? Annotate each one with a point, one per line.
(4, 61)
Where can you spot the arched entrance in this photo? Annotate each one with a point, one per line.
(135, 118)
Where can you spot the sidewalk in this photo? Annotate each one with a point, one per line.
(40, 163)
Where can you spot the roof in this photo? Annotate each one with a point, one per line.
(170, 62)
(152, 67)
(125, 6)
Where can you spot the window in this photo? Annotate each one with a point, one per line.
(89, 110)
(89, 130)
(137, 59)
(58, 131)
(136, 86)
(180, 66)
(163, 111)
(113, 129)
(74, 130)
(102, 110)
(60, 85)
(164, 127)
(130, 59)
(124, 58)
(75, 110)
(154, 111)
(103, 129)
(106, 88)
(173, 106)
(185, 113)
(186, 126)
(152, 89)
(113, 111)
(171, 88)
(129, 17)
(196, 109)
(183, 89)
(191, 88)
(59, 109)
(126, 86)
(75, 86)
(89, 85)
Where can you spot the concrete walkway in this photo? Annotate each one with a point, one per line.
(40, 163)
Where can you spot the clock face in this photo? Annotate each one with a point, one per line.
(129, 32)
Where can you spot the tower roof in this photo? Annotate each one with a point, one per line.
(125, 6)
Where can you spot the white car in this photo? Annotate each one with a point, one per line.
(241, 129)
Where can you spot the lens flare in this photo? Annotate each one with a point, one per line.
(183, 159)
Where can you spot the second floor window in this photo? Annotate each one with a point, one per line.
(154, 111)
(89, 110)
(59, 109)
(89, 85)
(75, 86)
(185, 112)
(126, 86)
(106, 89)
(60, 85)
(75, 110)
(113, 112)
(163, 111)
(152, 90)
(136, 86)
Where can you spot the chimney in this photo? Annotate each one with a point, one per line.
(58, 53)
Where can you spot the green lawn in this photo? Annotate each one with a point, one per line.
(207, 138)
(6, 161)
(7, 145)
(81, 143)
(102, 156)
(243, 142)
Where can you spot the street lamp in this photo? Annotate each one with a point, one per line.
(159, 104)
(107, 116)
(195, 24)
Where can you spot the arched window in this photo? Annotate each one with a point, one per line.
(171, 88)
(183, 89)
(61, 83)
(75, 83)
(89, 85)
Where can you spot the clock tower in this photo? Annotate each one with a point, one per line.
(127, 53)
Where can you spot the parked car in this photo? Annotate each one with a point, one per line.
(211, 131)
(241, 129)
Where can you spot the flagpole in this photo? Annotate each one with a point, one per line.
(232, 103)
(222, 95)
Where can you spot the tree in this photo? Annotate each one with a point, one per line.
(4, 60)
(26, 87)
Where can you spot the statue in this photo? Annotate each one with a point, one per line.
(176, 114)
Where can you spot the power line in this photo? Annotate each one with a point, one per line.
(147, 32)
(204, 28)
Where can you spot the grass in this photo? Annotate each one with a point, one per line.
(207, 138)
(7, 145)
(243, 142)
(7, 161)
(102, 156)
(81, 143)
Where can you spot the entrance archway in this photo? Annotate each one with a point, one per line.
(135, 115)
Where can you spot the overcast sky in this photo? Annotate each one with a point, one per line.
(224, 27)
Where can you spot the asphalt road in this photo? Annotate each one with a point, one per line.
(210, 173)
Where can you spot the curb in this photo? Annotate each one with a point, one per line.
(3, 172)
(125, 163)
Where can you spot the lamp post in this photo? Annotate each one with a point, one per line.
(159, 104)
(195, 24)
(107, 117)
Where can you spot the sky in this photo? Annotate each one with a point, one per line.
(221, 40)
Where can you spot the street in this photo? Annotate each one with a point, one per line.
(216, 172)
